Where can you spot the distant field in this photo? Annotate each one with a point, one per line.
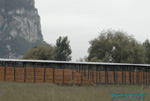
(52, 92)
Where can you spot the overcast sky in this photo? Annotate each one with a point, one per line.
(82, 20)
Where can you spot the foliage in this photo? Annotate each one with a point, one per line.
(118, 45)
(63, 49)
(41, 52)
(146, 44)
(84, 59)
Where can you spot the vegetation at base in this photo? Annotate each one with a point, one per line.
(51, 92)
(61, 51)
(41, 52)
(119, 47)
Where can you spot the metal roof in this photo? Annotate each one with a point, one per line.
(70, 62)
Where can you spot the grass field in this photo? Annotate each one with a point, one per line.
(51, 92)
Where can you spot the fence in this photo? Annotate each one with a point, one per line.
(69, 73)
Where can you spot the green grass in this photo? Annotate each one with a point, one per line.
(51, 92)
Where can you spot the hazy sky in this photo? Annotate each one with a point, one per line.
(82, 20)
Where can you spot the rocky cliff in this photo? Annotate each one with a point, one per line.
(20, 27)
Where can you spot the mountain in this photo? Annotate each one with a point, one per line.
(20, 27)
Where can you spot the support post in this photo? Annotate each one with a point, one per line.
(133, 74)
(63, 74)
(44, 71)
(138, 81)
(99, 77)
(34, 72)
(146, 74)
(96, 73)
(141, 76)
(88, 72)
(53, 74)
(114, 75)
(122, 73)
(4, 71)
(24, 66)
(125, 76)
(106, 75)
(14, 73)
(81, 75)
(130, 74)
(149, 75)
(72, 76)
(116, 81)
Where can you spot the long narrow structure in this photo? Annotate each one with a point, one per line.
(73, 73)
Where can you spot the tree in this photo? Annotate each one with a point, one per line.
(84, 59)
(115, 46)
(42, 52)
(63, 49)
(146, 44)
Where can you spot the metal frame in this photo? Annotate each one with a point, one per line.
(68, 62)
(90, 66)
